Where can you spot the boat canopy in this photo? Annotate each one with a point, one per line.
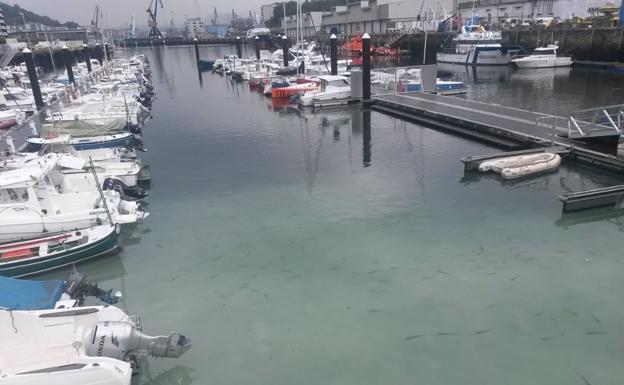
(29, 175)
(21, 294)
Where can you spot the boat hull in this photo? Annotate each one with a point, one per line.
(36, 265)
(543, 63)
(480, 56)
(91, 143)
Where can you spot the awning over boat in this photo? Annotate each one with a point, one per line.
(21, 294)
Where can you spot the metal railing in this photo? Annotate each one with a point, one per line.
(587, 121)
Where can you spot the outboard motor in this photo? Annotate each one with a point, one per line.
(127, 192)
(136, 144)
(125, 341)
(78, 288)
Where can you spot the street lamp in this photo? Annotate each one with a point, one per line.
(24, 20)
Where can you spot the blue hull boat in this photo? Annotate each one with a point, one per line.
(205, 65)
(84, 143)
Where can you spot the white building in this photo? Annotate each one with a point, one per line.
(266, 11)
(194, 27)
(3, 26)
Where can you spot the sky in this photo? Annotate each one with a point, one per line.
(118, 13)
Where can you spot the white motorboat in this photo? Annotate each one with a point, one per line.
(543, 57)
(105, 166)
(333, 88)
(77, 346)
(519, 166)
(39, 199)
(476, 46)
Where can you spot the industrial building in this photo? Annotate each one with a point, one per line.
(500, 11)
(375, 16)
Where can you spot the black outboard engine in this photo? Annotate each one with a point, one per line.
(127, 193)
(136, 144)
(78, 288)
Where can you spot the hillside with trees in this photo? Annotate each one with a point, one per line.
(12, 17)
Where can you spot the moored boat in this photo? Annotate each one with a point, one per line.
(514, 167)
(543, 57)
(36, 255)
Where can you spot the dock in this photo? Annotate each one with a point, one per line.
(590, 135)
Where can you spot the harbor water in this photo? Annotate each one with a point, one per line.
(300, 247)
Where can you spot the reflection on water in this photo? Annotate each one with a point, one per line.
(178, 375)
(556, 91)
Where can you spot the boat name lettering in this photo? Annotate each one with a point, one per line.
(101, 346)
(97, 212)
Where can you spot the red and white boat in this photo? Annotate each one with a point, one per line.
(300, 87)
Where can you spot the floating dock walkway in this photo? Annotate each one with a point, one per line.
(589, 135)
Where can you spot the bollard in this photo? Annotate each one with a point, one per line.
(366, 67)
(67, 57)
(333, 52)
(257, 44)
(32, 75)
(85, 50)
(285, 50)
(107, 50)
(196, 44)
(238, 47)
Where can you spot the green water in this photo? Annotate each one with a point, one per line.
(299, 248)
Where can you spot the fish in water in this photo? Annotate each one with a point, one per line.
(547, 338)
(596, 332)
(375, 311)
(483, 331)
(373, 271)
(594, 318)
(570, 311)
(442, 272)
(412, 337)
(446, 334)
(513, 278)
(585, 380)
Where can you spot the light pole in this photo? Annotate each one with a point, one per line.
(24, 20)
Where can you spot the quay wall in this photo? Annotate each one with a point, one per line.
(596, 44)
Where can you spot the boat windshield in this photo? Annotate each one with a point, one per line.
(544, 52)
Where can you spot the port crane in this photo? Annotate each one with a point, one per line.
(154, 33)
(97, 15)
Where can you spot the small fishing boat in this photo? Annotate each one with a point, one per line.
(31, 256)
(39, 199)
(121, 139)
(78, 346)
(25, 294)
(514, 167)
(333, 88)
(300, 87)
(543, 57)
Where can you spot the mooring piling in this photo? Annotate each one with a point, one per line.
(366, 67)
(85, 51)
(32, 75)
(285, 51)
(333, 52)
(68, 59)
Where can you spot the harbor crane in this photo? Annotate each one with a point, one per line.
(97, 15)
(154, 33)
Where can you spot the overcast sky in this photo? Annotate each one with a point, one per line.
(119, 12)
